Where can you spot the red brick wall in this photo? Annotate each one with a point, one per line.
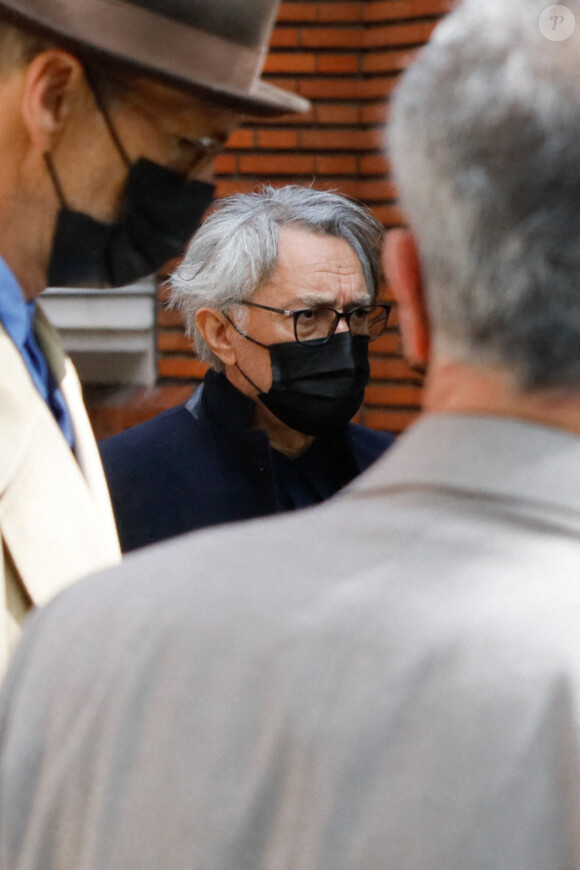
(345, 57)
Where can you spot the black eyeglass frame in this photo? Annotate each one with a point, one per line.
(340, 315)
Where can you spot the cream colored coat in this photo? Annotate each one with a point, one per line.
(56, 522)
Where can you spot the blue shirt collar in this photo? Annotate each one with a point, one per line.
(16, 313)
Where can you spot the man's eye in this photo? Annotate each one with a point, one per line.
(359, 314)
(308, 316)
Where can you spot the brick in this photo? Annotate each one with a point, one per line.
(274, 164)
(286, 37)
(337, 63)
(389, 421)
(371, 191)
(168, 342)
(375, 113)
(415, 33)
(394, 368)
(336, 140)
(393, 395)
(379, 87)
(344, 89)
(167, 318)
(388, 10)
(126, 411)
(337, 113)
(236, 185)
(386, 61)
(297, 12)
(389, 215)
(340, 12)
(342, 165)
(334, 89)
(374, 164)
(332, 37)
(276, 139)
(181, 367)
(389, 343)
(225, 164)
(284, 62)
(242, 138)
(348, 188)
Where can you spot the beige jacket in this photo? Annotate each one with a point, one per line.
(56, 522)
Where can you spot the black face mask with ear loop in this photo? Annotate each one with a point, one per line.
(159, 213)
(316, 388)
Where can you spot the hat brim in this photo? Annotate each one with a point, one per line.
(262, 100)
(259, 99)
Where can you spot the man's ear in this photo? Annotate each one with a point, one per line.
(53, 82)
(217, 331)
(403, 270)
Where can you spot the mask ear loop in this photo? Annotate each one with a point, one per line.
(99, 102)
(55, 180)
(249, 337)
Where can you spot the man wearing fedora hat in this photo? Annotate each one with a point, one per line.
(109, 110)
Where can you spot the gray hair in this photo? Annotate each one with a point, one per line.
(485, 143)
(235, 251)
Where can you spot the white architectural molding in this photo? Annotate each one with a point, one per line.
(110, 334)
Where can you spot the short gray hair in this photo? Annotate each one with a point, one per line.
(485, 143)
(235, 251)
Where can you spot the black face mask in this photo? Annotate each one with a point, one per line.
(160, 212)
(317, 388)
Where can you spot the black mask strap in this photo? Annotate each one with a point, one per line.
(249, 380)
(100, 104)
(245, 335)
(249, 337)
(55, 180)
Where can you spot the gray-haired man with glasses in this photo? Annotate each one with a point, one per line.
(279, 291)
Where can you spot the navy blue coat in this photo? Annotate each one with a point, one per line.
(201, 464)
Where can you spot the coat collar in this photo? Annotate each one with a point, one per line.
(500, 457)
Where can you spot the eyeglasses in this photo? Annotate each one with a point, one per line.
(319, 324)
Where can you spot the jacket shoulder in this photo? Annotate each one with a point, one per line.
(373, 439)
(367, 444)
(151, 435)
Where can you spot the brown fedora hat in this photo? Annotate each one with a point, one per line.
(216, 46)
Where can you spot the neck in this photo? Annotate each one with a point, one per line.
(457, 388)
(27, 201)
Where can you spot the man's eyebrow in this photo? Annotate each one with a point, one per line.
(313, 300)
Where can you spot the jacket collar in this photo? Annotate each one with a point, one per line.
(221, 402)
(498, 457)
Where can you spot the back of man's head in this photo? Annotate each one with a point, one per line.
(484, 139)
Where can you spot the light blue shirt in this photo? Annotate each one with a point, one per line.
(17, 317)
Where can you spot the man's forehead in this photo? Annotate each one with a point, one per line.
(315, 270)
(300, 248)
